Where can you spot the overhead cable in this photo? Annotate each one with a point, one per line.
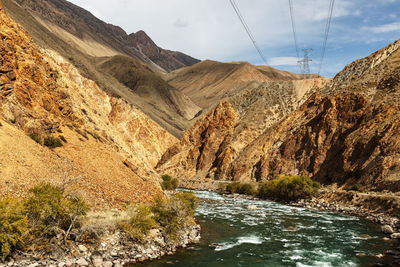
(246, 27)
(294, 28)
(327, 27)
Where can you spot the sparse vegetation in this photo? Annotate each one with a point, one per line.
(174, 214)
(49, 209)
(45, 214)
(139, 222)
(288, 188)
(52, 142)
(168, 182)
(13, 226)
(36, 137)
(239, 188)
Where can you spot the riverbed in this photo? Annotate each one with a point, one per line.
(241, 232)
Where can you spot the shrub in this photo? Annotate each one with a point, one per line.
(140, 221)
(245, 189)
(36, 137)
(168, 182)
(52, 142)
(13, 226)
(48, 209)
(233, 187)
(174, 214)
(288, 188)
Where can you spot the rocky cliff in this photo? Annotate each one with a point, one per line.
(346, 132)
(213, 143)
(198, 148)
(109, 147)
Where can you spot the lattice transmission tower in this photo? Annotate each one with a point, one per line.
(304, 63)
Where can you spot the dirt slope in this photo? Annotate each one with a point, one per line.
(208, 82)
(168, 60)
(84, 40)
(110, 147)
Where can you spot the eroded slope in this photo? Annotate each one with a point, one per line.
(110, 147)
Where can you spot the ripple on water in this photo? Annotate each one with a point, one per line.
(241, 240)
(277, 235)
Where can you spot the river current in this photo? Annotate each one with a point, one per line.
(241, 232)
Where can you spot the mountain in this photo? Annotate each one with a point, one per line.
(345, 133)
(209, 82)
(215, 140)
(168, 60)
(85, 41)
(107, 147)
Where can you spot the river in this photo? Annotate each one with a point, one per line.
(273, 234)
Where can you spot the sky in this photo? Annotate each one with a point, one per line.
(210, 29)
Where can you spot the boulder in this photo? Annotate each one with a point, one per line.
(387, 229)
(82, 262)
(395, 236)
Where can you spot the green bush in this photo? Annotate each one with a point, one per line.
(233, 187)
(140, 221)
(168, 182)
(13, 226)
(244, 189)
(175, 213)
(52, 142)
(36, 137)
(48, 209)
(288, 188)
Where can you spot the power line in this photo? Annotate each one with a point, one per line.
(246, 27)
(294, 28)
(327, 27)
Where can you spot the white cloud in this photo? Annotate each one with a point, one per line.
(391, 27)
(210, 29)
(283, 61)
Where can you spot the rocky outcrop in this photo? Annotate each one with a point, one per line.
(257, 109)
(199, 147)
(346, 134)
(109, 147)
(336, 139)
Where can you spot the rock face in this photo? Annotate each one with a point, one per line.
(109, 148)
(197, 150)
(340, 138)
(255, 109)
(347, 132)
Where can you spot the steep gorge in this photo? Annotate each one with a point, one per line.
(345, 133)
